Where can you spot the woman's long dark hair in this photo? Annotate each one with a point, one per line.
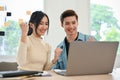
(36, 18)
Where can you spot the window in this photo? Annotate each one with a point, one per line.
(105, 20)
(10, 16)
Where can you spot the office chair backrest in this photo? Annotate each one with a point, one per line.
(6, 66)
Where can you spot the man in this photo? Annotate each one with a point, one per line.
(69, 21)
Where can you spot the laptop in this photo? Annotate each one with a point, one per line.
(90, 58)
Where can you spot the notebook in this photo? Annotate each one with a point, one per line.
(90, 58)
(16, 73)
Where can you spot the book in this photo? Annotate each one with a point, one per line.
(18, 73)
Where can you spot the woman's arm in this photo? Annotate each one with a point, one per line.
(22, 49)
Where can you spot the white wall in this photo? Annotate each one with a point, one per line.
(55, 7)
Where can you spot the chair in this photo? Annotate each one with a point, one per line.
(6, 66)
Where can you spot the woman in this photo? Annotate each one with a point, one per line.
(34, 52)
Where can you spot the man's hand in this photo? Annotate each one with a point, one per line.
(58, 51)
(91, 39)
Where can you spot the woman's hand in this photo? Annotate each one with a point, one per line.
(24, 28)
(58, 51)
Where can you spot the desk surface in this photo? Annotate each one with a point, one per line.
(115, 75)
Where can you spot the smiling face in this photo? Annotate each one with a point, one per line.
(70, 24)
(42, 27)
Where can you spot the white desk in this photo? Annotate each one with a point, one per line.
(115, 75)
